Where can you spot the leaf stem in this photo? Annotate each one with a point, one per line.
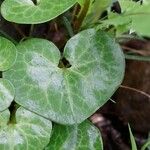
(68, 26)
(75, 12)
(137, 57)
(135, 90)
(31, 29)
(141, 51)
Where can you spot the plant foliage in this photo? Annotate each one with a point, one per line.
(41, 85)
(64, 94)
(33, 12)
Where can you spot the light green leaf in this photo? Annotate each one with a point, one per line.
(67, 95)
(139, 15)
(81, 2)
(134, 14)
(146, 2)
(31, 132)
(7, 54)
(26, 12)
(78, 137)
(97, 7)
(7, 94)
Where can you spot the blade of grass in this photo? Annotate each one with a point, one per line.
(132, 139)
(146, 145)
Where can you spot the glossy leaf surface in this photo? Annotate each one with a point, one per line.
(31, 132)
(7, 94)
(78, 137)
(7, 54)
(67, 95)
(28, 12)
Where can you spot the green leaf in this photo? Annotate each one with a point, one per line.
(137, 12)
(31, 132)
(78, 137)
(67, 95)
(133, 143)
(134, 14)
(26, 12)
(146, 1)
(7, 54)
(81, 2)
(97, 7)
(7, 94)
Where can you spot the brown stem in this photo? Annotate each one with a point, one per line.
(135, 90)
(75, 12)
(141, 52)
(19, 30)
(82, 15)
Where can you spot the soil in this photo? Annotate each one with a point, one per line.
(130, 106)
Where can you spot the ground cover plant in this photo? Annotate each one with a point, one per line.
(48, 90)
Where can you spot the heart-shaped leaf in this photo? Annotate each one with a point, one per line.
(7, 94)
(31, 132)
(67, 95)
(7, 54)
(83, 136)
(28, 12)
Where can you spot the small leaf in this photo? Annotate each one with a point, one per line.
(31, 132)
(132, 12)
(83, 136)
(67, 95)
(7, 94)
(26, 12)
(7, 54)
(96, 8)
